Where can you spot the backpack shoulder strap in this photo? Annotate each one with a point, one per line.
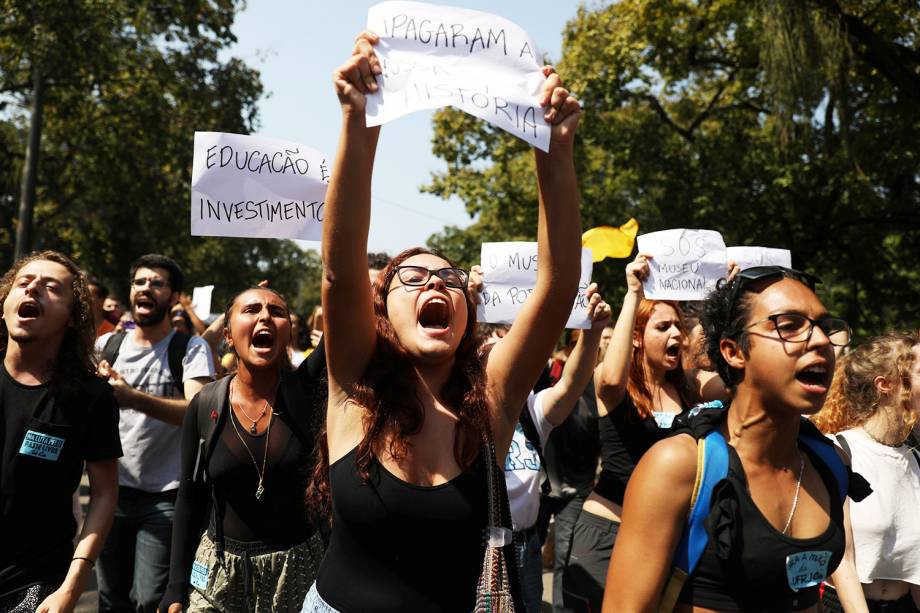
(175, 354)
(822, 447)
(212, 410)
(113, 346)
(711, 467)
(533, 437)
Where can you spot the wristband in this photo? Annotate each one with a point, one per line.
(92, 564)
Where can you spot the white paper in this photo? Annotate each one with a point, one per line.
(745, 257)
(434, 56)
(686, 264)
(201, 301)
(509, 276)
(255, 187)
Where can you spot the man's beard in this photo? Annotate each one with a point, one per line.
(157, 315)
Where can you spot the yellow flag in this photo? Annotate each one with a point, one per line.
(610, 242)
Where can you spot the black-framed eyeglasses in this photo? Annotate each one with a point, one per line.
(154, 283)
(797, 328)
(415, 276)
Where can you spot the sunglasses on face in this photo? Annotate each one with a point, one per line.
(416, 276)
(797, 328)
(154, 283)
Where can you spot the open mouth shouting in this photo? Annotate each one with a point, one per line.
(263, 342)
(815, 378)
(144, 305)
(672, 351)
(434, 316)
(29, 310)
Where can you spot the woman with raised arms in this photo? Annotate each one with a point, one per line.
(641, 386)
(410, 403)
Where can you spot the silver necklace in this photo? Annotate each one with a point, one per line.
(260, 490)
(252, 427)
(795, 499)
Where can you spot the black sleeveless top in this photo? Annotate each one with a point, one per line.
(748, 565)
(396, 546)
(625, 437)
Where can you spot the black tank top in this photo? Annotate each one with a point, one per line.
(396, 546)
(744, 565)
(625, 437)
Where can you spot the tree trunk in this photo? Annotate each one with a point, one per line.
(30, 170)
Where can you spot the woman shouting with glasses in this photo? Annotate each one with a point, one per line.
(771, 523)
(416, 421)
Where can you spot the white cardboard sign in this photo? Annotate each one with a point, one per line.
(746, 257)
(201, 300)
(434, 56)
(685, 264)
(509, 276)
(256, 187)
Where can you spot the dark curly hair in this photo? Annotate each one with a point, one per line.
(387, 392)
(725, 315)
(76, 358)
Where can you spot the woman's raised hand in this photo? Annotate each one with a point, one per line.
(598, 310)
(636, 272)
(357, 77)
(561, 108)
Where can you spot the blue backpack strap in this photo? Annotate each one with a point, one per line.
(827, 452)
(711, 467)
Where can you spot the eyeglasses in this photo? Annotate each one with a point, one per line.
(415, 276)
(796, 328)
(154, 283)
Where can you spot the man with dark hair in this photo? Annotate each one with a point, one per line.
(155, 372)
(55, 415)
(99, 292)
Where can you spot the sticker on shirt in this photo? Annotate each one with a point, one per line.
(664, 419)
(807, 568)
(199, 578)
(44, 446)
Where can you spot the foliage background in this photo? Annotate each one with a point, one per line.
(780, 123)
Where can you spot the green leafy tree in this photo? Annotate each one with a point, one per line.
(777, 122)
(126, 86)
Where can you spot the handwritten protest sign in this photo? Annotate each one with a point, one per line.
(257, 187)
(201, 299)
(434, 56)
(745, 257)
(685, 265)
(509, 276)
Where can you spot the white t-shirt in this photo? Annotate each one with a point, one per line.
(151, 447)
(522, 467)
(886, 524)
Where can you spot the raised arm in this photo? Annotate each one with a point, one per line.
(559, 400)
(517, 360)
(614, 371)
(346, 291)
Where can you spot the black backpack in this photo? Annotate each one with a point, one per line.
(175, 353)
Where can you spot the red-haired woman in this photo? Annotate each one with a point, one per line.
(410, 402)
(641, 387)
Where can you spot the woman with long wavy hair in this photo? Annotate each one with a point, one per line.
(412, 410)
(641, 386)
(872, 407)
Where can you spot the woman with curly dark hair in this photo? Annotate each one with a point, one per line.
(413, 414)
(55, 415)
(872, 406)
(777, 521)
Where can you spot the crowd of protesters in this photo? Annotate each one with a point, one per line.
(389, 454)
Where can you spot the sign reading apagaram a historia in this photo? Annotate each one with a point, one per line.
(255, 187)
(434, 56)
(509, 277)
(685, 264)
(746, 257)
